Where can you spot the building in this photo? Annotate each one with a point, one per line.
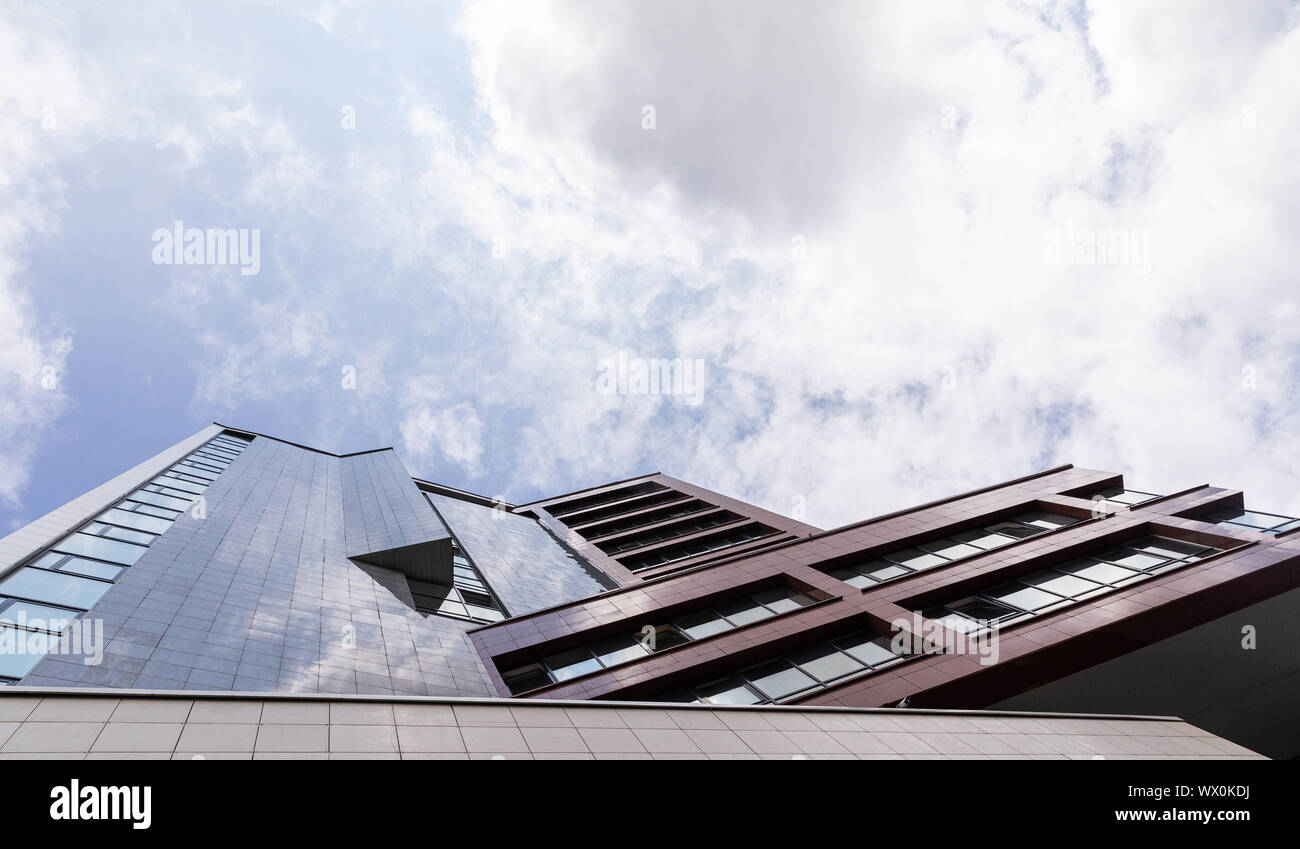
(254, 571)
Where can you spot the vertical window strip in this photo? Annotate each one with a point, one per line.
(62, 582)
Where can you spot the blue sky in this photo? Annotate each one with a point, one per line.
(839, 212)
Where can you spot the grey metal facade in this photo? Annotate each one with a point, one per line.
(260, 594)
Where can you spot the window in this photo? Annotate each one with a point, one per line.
(128, 519)
(100, 529)
(144, 496)
(620, 648)
(604, 498)
(727, 691)
(698, 625)
(696, 547)
(58, 588)
(100, 548)
(1066, 584)
(779, 678)
(678, 530)
(528, 678)
(149, 510)
(39, 617)
(741, 611)
(1253, 520)
(571, 664)
(649, 517)
(174, 487)
(1131, 497)
(78, 566)
(703, 624)
(795, 673)
(28, 631)
(75, 572)
(587, 516)
(27, 648)
(947, 549)
(467, 598)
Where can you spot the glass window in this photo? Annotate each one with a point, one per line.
(1049, 589)
(451, 606)
(1262, 521)
(884, 571)
(54, 588)
(484, 614)
(571, 664)
(150, 510)
(783, 599)
(914, 558)
(27, 648)
(821, 664)
(1047, 521)
(619, 649)
(190, 470)
(983, 610)
(825, 662)
(100, 529)
(665, 637)
(526, 678)
(1015, 529)
(199, 463)
(184, 474)
(475, 598)
(43, 617)
(182, 485)
(951, 549)
(101, 548)
(1164, 547)
(984, 539)
(728, 691)
(867, 646)
(1125, 496)
(948, 619)
(1131, 559)
(1070, 586)
(704, 623)
(743, 611)
(183, 495)
(79, 566)
(1025, 598)
(1104, 573)
(854, 578)
(160, 500)
(138, 521)
(946, 549)
(778, 679)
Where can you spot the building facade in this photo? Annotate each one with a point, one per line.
(237, 563)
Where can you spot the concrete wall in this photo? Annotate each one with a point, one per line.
(37, 724)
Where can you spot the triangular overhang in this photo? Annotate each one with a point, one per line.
(424, 561)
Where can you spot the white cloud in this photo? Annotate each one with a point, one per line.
(925, 241)
(842, 209)
(436, 431)
(49, 96)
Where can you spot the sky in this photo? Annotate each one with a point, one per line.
(889, 251)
